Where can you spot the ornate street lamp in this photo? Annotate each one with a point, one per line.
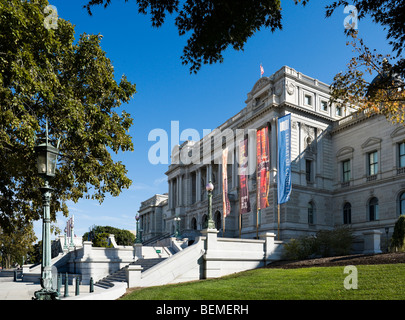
(46, 164)
(138, 238)
(209, 187)
(177, 219)
(72, 226)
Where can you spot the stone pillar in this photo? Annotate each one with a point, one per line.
(138, 251)
(133, 273)
(212, 264)
(372, 242)
(87, 247)
(198, 185)
(170, 194)
(268, 245)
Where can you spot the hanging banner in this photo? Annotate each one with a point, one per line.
(243, 182)
(225, 200)
(263, 167)
(284, 159)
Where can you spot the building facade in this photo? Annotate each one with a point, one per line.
(152, 213)
(347, 168)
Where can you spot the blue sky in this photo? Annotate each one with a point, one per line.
(166, 91)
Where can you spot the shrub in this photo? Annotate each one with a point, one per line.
(300, 248)
(397, 240)
(337, 242)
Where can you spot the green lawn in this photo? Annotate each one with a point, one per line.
(326, 283)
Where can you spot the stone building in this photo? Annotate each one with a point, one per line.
(152, 215)
(347, 168)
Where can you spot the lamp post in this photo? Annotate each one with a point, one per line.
(138, 238)
(72, 244)
(209, 187)
(65, 245)
(46, 165)
(177, 219)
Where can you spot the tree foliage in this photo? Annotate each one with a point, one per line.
(47, 73)
(388, 13)
(383, 94)
(213, 25)
(99, 236)
(386, 94)
(16, 245)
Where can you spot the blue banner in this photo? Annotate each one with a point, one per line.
(284, 159)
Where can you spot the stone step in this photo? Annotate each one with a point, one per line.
(120, 275)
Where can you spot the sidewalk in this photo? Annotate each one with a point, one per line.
(11, 290)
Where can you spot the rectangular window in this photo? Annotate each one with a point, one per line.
(338, 111)
(401, 147)
(308, 170)
(324, 105)
(346, 170)
(308, 100)
(372, 163)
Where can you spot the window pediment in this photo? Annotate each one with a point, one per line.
(398, 134)
(345, 151)
(371, 143)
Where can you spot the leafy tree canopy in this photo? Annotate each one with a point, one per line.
(16, 245)
(46, 73)
(385, 93)
(99, 236)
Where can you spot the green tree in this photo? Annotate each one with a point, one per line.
(100, 235)
(385, 94)
(47, 73)
(17, 245)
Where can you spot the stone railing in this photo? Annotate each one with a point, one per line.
(208, 257)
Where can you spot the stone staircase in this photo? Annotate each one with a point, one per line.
(120, 275)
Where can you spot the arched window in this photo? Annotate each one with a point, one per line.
(311, 213)
(347, 213)
(402, 203)
(204, 221)
(194, 224)
(373, 209)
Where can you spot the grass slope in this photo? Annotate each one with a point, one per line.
(326, 283)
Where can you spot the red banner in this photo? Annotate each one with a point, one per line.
(225, 200)
(263, 167)
(244, 201)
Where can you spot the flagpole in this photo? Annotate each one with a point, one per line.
(278, 186)
(223, 227)
(240, 219)
(278, 220)
(257, 224)
(240, 222)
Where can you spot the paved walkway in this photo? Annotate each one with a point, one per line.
(11, 290)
